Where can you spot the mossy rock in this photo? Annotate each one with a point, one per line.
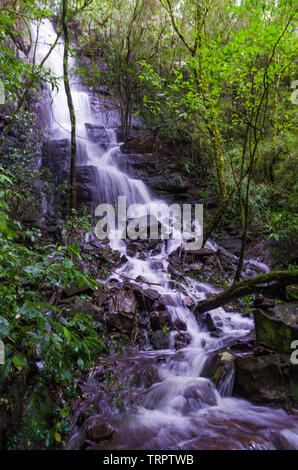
(219, 368)
(266, 379)
(278, 327)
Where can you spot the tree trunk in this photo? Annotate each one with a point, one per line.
(224, 198)
(70, 105)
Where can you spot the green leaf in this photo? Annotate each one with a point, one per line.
(67, 334)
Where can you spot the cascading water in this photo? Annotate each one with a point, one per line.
(182, 410)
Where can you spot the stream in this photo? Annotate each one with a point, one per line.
(182, 410)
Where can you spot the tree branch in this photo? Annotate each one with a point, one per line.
(255, 285)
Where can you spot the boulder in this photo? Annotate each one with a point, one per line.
(188, 301)
(159, 320)
(196, 395)
(180, 324)
(156, 265)
(214, 324)
(277, 327)
(266, 379)
(219, 368)
(182, 340)
(124, 310)
(160, 340)
(133, 247)
(146, 298)
(96, 429)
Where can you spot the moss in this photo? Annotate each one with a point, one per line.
(218, 374)
(273, 332)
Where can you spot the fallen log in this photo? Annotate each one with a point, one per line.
(264, 284)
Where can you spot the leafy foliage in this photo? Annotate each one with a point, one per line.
(34, 329)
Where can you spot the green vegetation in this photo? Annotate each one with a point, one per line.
(210, 77)
(33, 327)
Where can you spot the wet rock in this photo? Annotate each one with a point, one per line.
(166, 300)
(124, 310)
(56, 157)
(194, 270)
(266, 379)
(144, 321)
(156, 265)
(180, 324)
(160, 340)
(96, 429)
(155, 321)
(114, 256)
(219, 368)
(140, 144)
(194, 257)
(285, 440)
(97, 133)
(277, 328)
(200, 253)
(75, 441)
(171, 185)
(153, 244)
(152, 294)
(133, 247)
(146, 298)
(145, 376)
(136, 161)
(244, 344)
(100, 297)
(188, 302)
(97, 243)
(260, 251)
(198, 394)
(86, 185)
(159, 320)
(182, 340)
(140, 279)
(214, 324)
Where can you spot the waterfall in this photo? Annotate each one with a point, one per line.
(183, 410)
(110, 182)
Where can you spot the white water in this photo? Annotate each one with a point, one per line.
(183, 410)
